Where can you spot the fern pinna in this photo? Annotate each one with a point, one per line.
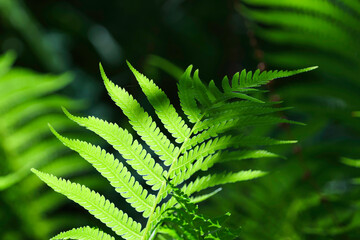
(213, 133)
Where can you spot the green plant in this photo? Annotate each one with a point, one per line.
(288, 33)
(28, 101)
(321, 32)
(217, 129)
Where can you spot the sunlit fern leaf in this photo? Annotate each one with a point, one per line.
(83, 233)
(27, 103)
(187, 150)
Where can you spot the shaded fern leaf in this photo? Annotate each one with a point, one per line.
(189, 146)
(321, 32)
(298, 33)
(323, 26)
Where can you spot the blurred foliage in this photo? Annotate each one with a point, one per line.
(309, 195)
(29, 100)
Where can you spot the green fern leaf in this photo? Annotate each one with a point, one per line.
(197, 146)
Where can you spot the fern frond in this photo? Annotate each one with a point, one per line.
(249, 80)
(83, 233)
(215, 130)
(97, 205)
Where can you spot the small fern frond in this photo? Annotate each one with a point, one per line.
(98, 205)
(247, 80)
(83, 233)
